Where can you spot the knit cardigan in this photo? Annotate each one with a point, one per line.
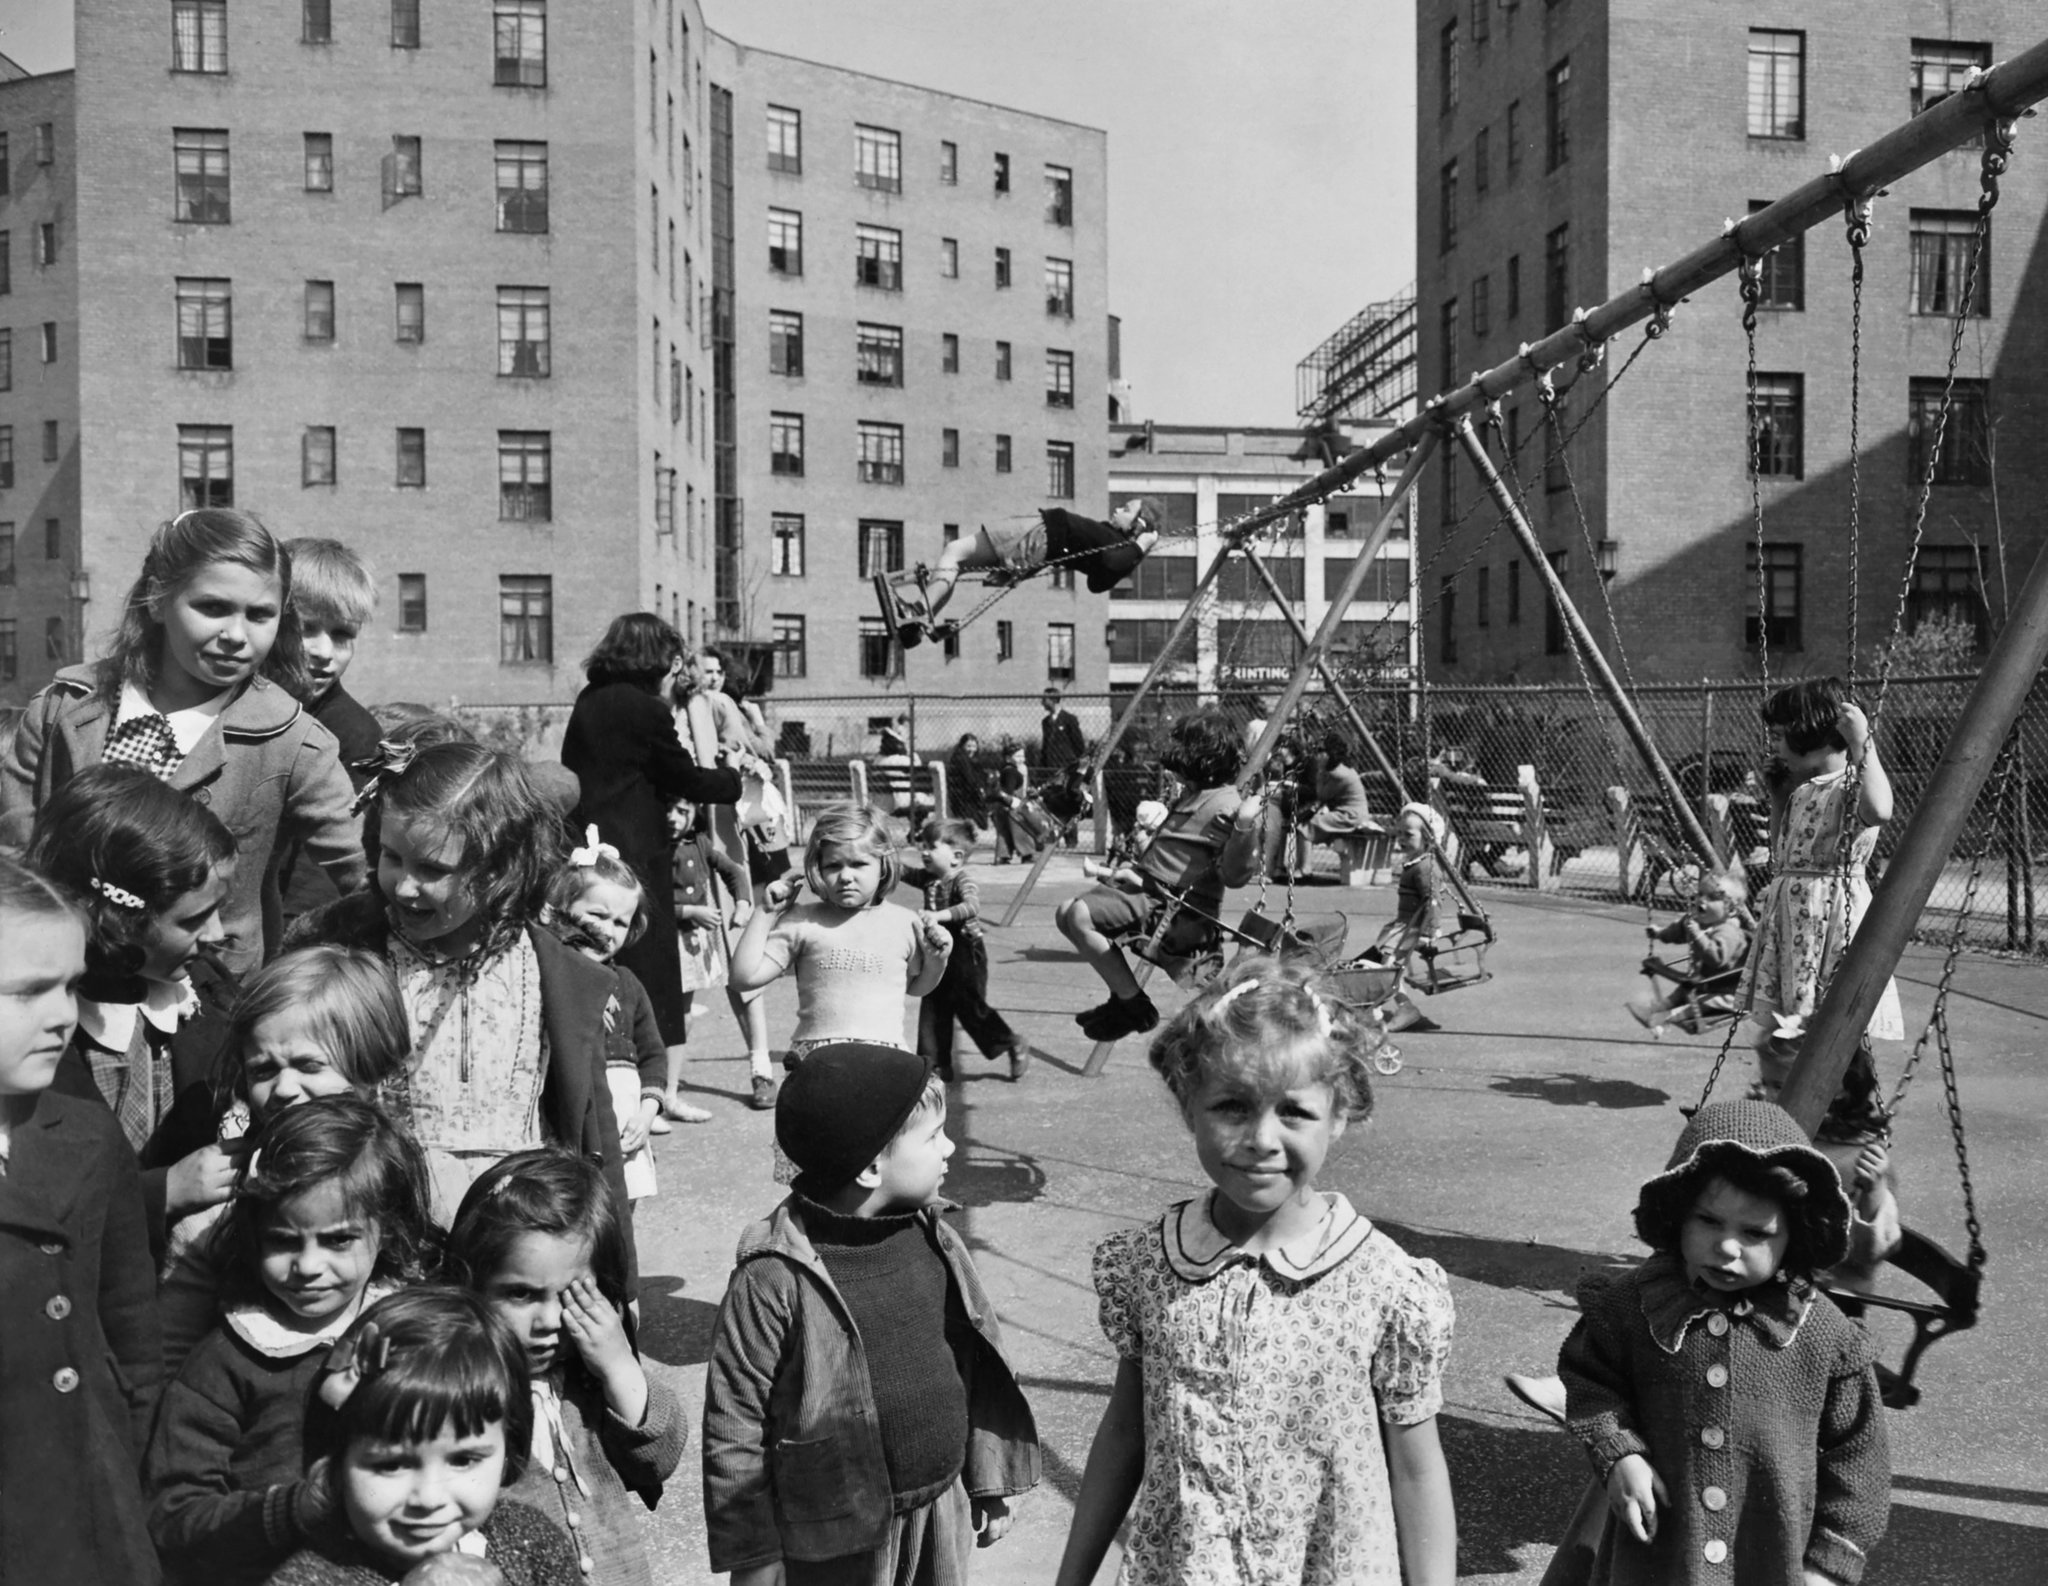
(528, 1548)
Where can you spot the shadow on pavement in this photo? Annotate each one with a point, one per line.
(1580, 1090)
(674, 1329)
(1505, 1263)
(1928, 1547)
(982, 1175)
(1516, 1488)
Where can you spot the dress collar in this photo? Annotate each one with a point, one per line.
(111, 1025)
(253, 1323)
(1671, 1305)
(1197, 1250)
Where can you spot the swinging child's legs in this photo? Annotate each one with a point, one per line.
(1019, 549)
(1094, 922)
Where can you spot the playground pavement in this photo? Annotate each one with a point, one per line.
(1508, 1148)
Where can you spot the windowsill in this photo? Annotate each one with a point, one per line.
(198, 71)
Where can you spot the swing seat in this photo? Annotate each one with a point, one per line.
(1697, 1001)
(1321, 941)
(1458, 958)
(1957, 1287)
(1189, 970)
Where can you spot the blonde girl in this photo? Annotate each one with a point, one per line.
(1277, 1354)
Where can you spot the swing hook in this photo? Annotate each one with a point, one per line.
(1998, 140)
(1660, 306)
(1594, 351)
(1546, 391)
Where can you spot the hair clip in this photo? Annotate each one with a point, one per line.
(120, 897)
(592, 850)
(1325, 1021)
(361, 1354)
(393, 758)
(1232, 995)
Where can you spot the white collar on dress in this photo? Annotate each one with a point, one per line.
(111, 1025)
(264, 1333)
(1196, 1249)
(188, 726)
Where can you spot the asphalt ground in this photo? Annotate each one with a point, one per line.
(1509, 1148)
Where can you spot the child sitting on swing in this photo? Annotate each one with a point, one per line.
(1719, 940)
(1105, 552)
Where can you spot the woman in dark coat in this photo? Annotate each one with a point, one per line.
(622, 745)
(967, 789)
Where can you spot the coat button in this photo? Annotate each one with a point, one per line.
(1714, 1498)
(1717, 1375)
(65, 1380)
(1715, 1551)
(202, 795)
(1717, 1324)
(57, 1307)
(1712, 1436)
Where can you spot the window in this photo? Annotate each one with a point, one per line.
(1482, 165)
(402, 170)
(56, 643)
(1514, 592)
(6, 239)
(786, 545)
(522, 186)
(53, 539)
(1947, 587)
(786, 241)
(1002, 268)
(1512, 136)
(319, 311)
(792, 651)
(1059, 652)
(1779, 584)
(785, 342)
(1002, 454)
(1159, 578)
(1447, 619)
(49, 329)
(785, 139)
(10, 659)
(1556, 466)
(1557, 115)
(1059, 470)
(6, 359)
(1780, 399)
(1940, 67)
(199, 35)
(1447, 485)
(46, 243)
(1965, 455)
(316, 22)
(878, 159)
(881, 453)
(1059, 288)
(878, 257)
(1557, 276)
(6, 456)
(412, 459)
(316, 455)
(949, 259)
(949, 353)
(412, 311)
(206, 466)
(525, 473)
(1059, 378)
(1447, 339)
(202, 164)
(519, 30)
(1482, 306)
(6, 553)
(1059, 195)
(1782, 283)
(949, 448)
(881, 547)
(1002, 173)
(319, 162)
(526, 619)
(786, 444)
(205, 331)
(1514, 273)
(1006, 639)
(1002, 360)
(1138, 640)
(878, 354)
(52, 445)
(524, 341)
(879, 656)
(1943, 240)
(1483, 605)
(405, 24)
(1777, 83)
(1554, 637)
(1447, 207)
(1447, 68)
(1482, 24)
(949, 164)
(412, 602)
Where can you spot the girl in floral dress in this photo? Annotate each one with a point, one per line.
(1818, 892)
(1280, 1359)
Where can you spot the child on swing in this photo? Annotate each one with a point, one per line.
(1419, 885)
(1712, 927)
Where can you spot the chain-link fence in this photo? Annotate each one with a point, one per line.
(1543, 771)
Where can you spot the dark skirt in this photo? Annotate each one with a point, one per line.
(657, 958)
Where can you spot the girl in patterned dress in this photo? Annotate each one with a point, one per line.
(1818, 892)
(1280, 1360)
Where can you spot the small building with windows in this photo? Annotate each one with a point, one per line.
(1561, 150)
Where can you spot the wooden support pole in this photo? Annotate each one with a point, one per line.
(1589, 649)
(1938, 820)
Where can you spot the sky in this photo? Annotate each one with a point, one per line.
(1261, 155)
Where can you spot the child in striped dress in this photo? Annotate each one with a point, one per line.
(952, 900)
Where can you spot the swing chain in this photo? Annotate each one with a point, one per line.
(1749, 279)
(1856, 215)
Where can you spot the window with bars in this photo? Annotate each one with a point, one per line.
(881, 547)
(411, 472)
(205, 323)
(881, 453)
(316, 455)
(206, 466)
(1778, 580)
(525, 340)
(786, 241)
(199, 35)
(522, 175)
(526, 619)
(320, 311)
(878, 257)
(1557, 115)
(1059, 378)
(878, 159)
(525, 476)
(785, 139)
(949, 164)
(319, 150)
(1782, 281)
(786, 444)
(878, 354)
(1964, 457)
(1002, 454)
(201, 159)
(1948, 586)
(412, 602)
(786, 545)
(1780, 426)
(411, 303)
(792, 648)
(785, 342)
(1777, 83)
(1940, 67)
(1059, 470)
(405, 24)
(1447, 207)
(1059, 195)
(1942, 242)
(519, 33)
(879, 655)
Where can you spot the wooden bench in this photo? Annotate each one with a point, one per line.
(1486, 821)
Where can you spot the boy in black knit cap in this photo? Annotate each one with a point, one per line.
(861, 1424)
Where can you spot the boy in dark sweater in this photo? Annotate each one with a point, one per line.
(860, 1420)
(951, 898)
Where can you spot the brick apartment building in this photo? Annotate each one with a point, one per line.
(487, 293)
(1565, 146)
